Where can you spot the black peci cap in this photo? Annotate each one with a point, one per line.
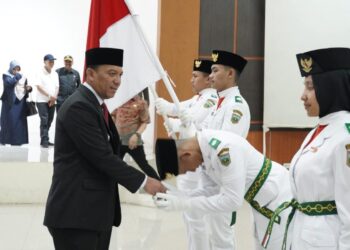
(166, 157)
(323, 60)
(100, 56)
(202, 65)
(229, 59)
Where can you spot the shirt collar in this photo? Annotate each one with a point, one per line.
(207, 90)
(99, 99)
(332, 117)
(228, 91)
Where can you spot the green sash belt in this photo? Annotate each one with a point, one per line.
(317, 208)
(256, 186)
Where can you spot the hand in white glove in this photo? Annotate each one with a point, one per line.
(187, 131)
(185, 116)
(163, 107)
(173, 190)
(168, 127)
(171, 202)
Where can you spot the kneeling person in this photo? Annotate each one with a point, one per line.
(233, 170)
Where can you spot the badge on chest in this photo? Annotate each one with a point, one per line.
(347, 147)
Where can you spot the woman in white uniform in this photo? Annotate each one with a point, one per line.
(320, 170)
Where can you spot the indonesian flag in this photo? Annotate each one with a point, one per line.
(111, 25)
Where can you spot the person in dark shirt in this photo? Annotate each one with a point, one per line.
(69, 80)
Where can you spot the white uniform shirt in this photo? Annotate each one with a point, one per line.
(321, 172)
(47, 81)
(232, 115)
(200, 106)
(225, 185)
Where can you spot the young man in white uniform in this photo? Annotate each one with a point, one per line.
(233, 170)
(231, 114)
(197, 109)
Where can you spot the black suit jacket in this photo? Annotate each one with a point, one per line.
(87, 169)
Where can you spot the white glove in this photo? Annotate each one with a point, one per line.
(163, 107)
(173, 190)
(168, 127)
(187, 131)
(185, 116)
(171, 202)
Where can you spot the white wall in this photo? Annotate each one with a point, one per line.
(31, 29)
(295, 26)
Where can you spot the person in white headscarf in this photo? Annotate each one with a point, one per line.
(14, 128)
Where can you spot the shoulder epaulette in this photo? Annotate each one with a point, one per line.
(347, 125)
(238, 99)
(214, 143)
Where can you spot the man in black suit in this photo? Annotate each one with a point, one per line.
(83, 202)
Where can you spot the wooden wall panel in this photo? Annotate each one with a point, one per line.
(177, 47)
(281, 145)
(256, 139)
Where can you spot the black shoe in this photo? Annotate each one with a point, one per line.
(51, 144)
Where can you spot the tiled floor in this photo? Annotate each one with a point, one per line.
(142, 228)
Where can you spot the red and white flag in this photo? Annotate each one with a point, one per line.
(111, 25)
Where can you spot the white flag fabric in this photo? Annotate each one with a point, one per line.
(111, 25)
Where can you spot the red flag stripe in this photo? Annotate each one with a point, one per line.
(102, 15)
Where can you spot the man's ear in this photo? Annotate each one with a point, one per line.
(89, 74)
(231, 73)
(185, 155)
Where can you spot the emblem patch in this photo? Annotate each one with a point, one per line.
(209, 103)
(306, 64)
(198, 63)
(214, 143)
(238, 99)
(347, 147)
(236, 116)
(224, 156)
(215, 57)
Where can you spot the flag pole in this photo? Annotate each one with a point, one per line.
(154, 57)
(172, 134)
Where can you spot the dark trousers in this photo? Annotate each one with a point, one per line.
(46, 114)
(78, 239)
(138, 154)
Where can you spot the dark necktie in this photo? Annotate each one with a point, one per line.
(316, 133)
(105, 113)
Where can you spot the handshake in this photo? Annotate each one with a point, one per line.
(172, 200)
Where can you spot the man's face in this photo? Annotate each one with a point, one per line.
(49, 64)
(105, 80)
(309, 98)
(68, 64)
(199, 81)
(222, 77)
